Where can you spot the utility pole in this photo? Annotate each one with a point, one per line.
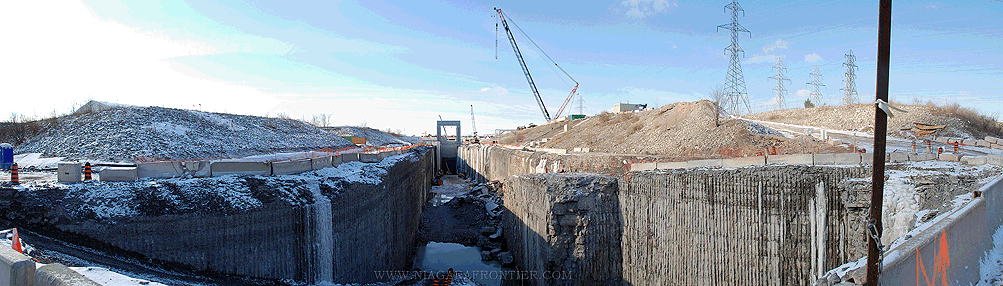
(816, 81)
(735, 81)
(850, 80)
(780, 89)
(880, 131)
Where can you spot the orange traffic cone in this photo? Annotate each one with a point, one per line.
(15, 242)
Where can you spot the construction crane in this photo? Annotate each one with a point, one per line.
(525, 70)
(473, 124)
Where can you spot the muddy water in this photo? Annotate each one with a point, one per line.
(437, 256)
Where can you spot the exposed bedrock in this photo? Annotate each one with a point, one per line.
(340, 224)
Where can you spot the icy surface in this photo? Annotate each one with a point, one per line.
(104, 276)
(991, 266)
(35, 159)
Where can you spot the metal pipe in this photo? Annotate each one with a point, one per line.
(880, 133)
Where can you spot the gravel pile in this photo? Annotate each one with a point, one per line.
(860, 117)
(686, 130)
(130, 133)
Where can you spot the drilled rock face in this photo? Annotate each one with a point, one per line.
(778, 225)
(338, 224)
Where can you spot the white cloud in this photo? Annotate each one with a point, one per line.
(811, 58)
(758, 59)
(497, 90)
(61, 53)
(779, 44)
(803, 93)
(644, 8)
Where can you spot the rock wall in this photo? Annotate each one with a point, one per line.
(340, 225)
(776, 225)
(564, 229)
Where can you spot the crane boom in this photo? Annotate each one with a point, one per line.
(473, 124)
(522, 62)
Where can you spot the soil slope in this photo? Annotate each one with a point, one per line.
(684, 129)
(860, 117)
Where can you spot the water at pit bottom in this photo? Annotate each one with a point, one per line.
(438, 256)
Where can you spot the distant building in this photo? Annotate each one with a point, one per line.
(621, 107)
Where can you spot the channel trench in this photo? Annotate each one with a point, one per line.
(768, 225)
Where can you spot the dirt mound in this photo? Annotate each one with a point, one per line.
(684, 129)
(373, 137)
(130, 132)
(960, 123)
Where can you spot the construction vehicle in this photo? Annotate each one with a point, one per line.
(525, 70)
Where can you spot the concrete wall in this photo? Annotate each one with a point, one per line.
(291, 167)
(487, 162)
(777, 225)
(953, 248)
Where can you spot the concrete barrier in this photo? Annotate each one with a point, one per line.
(369, 158)
(241, 168)
(950, 157)
(823, 159)
(983, 143)
(16, 268)
(846, 159)
(997, 146)
(636, 167)
(953, 140)
(56, 274)
(744, 162)
(705, 163)
(160, 170)
(291, 167)
(670, 165)
(969, 142)
(953, 249)
(198, 169)
(68, 172)
(351, 157)
(336, 160)
(981, 160)
(796, 159)
(897, 157)
(835, 141)
(867, 158)
(993, 140)
(995, 160)
(922, 156)
(119, 174)
(941, 140)
(320, 163)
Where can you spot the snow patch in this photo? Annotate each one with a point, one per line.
(991, 265)
(167, 127)
(218, 120)
(104, 276)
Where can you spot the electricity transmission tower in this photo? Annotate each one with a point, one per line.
(816, 81)
(850, 91)
(780, 89)
(581, 104)
(734, 86)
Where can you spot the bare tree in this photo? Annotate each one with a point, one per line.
(717, 95)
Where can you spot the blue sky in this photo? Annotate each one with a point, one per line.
(401, 64)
